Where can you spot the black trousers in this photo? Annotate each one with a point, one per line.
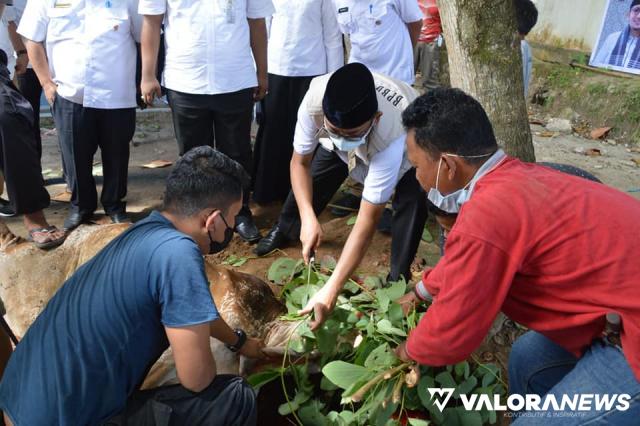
(409, 203)
(220, 121)
(274, 142)
(30, 88)
(228, 401)
(80, 132)
(19, 154)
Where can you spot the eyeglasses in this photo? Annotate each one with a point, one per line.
(334, 135)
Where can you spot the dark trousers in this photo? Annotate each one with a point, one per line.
(220, 121)
(80, 132)
(274, 142)
(19, 155)
(30, 88)
(409, 202)
(228, 401)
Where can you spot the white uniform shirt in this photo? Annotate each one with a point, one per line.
(304, 39)
(387, 166)
(14, 14)
(91, 48)
(379, 35)
(527, 65)
(207, 42)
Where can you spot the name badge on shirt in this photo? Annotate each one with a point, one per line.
(61, 4)
(343, 10)
(229, 12)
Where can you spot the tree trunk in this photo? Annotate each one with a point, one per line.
(485, 61)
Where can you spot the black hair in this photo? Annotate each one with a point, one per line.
(450, 121)
(526, 15)
(203, 178)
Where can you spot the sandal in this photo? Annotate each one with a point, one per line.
(49, 243)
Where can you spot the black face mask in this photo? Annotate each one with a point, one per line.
(216, 246)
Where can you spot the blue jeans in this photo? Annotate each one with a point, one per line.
(539, 366)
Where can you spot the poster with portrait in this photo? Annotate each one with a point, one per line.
(618, 45)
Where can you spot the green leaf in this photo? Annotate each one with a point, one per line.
(446, 380)
(327, 337)
(328, 263)
(373, 282)
(283, 269)
(491, 374)
(311, 414)
(382, 356)
(383, 301)
(395, 313)
(343, 374)
(396, 290)
(235, 261)
(262, 378)
(466, 387)
(352, 220)
(288, 408)
(426, 235)
(462, 369)
(468, 418)
(425, 383)
(384, 326)
(326, 385)
(418, 422)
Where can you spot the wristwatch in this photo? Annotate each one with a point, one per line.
(242, 338)
(21, 52)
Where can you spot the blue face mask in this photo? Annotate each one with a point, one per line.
(348, 144)
(451, 203)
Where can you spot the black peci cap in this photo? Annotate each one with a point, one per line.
(350, 98)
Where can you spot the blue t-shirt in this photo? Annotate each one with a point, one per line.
(93, 344)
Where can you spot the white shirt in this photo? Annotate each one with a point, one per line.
(382, 171)
(208, 49)
(304, 39)
(604, 54)
(14, 14)
(91, 48)
(5, 42)
(379, 34)
(527, 65)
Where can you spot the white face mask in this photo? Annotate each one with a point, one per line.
(451, 203)
(347, 144)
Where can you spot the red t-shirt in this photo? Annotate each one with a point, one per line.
(554, 252)
(431, 27)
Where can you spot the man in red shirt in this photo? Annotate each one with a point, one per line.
(426, 54)
(554, 252)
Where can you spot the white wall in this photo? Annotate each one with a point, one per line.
(569, 23)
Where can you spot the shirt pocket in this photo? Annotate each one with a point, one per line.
(346, 22)
(376, 17)
(61, 20)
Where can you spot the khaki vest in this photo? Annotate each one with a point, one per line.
(393, 97)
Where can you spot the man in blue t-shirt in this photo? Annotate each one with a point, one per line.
(85, 356)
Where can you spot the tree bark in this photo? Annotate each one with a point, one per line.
(485, 61)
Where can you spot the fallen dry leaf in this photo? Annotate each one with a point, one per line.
(593, 152)
(547, 134)
(536, 121)
(63, 197)
(157, 164)
(636, 160)
(600, 132)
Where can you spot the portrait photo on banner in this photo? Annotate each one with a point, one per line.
(618, 45)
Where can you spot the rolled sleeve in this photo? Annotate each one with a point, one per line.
(257, 9)
(383, 173)
(152, 7)
(409, 11)
(332, 37)
(304, 139)
(35, 21)
(10, 15)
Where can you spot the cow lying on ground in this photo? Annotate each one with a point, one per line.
(29, 277)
